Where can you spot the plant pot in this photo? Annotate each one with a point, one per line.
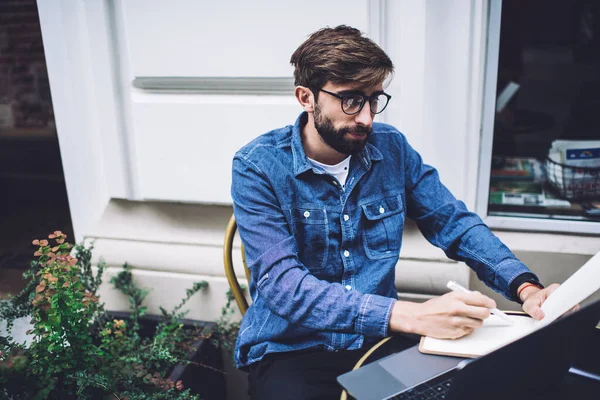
(206, 380)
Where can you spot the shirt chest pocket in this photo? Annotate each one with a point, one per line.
(311, 230)
(382, 227)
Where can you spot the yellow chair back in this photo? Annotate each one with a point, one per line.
(236, 289)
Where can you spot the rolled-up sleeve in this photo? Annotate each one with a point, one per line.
(285, 285)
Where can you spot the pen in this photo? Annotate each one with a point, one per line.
(458, 288)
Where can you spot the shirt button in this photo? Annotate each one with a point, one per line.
(381, 210)
(346, 253)
(306, 214)
(346, 217)
(348, 287)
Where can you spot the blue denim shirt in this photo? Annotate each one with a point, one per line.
(323, 258)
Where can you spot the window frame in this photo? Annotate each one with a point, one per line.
(538, 224)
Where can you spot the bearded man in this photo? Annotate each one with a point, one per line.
(321, 206)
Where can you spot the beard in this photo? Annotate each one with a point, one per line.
(336, 138)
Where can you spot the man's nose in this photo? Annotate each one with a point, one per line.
(365, 116)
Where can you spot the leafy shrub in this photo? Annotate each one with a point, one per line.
(77, 351)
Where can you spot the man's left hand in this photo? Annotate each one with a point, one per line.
(533, 297)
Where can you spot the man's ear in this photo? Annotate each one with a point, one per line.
(305, 97)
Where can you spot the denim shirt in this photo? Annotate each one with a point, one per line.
(323, 259)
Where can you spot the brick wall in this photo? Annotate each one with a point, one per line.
(25, 101)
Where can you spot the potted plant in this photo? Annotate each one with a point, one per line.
(80, 351)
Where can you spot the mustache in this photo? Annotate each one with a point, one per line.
(358, 129)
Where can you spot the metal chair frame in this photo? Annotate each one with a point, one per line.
(236, 289)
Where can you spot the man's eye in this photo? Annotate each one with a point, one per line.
(352, 101)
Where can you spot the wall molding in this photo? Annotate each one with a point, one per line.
(281, 86)
(109, 64)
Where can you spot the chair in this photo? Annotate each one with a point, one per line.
(236, 289)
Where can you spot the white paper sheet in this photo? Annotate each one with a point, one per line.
(573, 291)
(495, 333)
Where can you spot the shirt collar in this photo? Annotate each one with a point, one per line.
(301, 164)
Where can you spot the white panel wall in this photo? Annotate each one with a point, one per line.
(176, 143)
(227, 37)
(438, 48)
(184, 143)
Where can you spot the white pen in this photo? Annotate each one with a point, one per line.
(458, 288)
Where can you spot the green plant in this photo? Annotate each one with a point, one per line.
(78, 352)
(226, 328)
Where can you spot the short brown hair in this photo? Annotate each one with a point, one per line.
(339, 55)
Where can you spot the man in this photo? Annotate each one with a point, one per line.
(321, 207)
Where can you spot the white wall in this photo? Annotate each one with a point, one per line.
(152, 100)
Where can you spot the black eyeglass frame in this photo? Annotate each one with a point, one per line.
(364, 100)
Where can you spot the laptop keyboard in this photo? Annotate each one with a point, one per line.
(436, 388)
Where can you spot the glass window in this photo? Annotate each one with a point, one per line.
(545, 119)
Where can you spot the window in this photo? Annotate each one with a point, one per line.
(541, 129)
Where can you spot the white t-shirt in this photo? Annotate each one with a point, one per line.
(339, 171)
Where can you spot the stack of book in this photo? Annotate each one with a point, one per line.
(521, 181)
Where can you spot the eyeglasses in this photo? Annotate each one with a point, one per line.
(353, 103)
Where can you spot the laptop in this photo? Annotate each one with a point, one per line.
(517, 370)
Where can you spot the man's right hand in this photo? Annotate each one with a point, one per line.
(450, 316)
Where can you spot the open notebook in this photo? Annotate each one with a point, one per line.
(496, 333)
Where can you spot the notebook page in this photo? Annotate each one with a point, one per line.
(493, 334)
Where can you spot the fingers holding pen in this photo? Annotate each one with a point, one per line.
(472, 305)
(475, 299)
(450, 316)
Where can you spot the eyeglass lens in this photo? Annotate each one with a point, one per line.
(352, 104)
